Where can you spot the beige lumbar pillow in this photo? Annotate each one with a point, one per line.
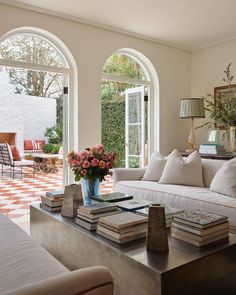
(224, 181)
(183, 171)
(155, 167)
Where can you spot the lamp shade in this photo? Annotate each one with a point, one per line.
(192, 108)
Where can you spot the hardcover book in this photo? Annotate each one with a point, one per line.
(85, 224)
(112, 197)
(95, 217)
(199, 231)
(51, 209)
(220, 237)
(122, 240)
(122, 220)
(51, 202)
(200, 219)
(133, 205)
(97, 207)
(118, 235)
(56, 193)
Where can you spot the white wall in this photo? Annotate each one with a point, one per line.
(27, 116)
(207, 72)
(91, 47)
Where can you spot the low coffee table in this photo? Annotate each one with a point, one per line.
(184, 270)
(45, 163)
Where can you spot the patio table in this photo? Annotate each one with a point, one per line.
(46, 162)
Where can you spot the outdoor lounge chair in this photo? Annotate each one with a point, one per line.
(13, 167)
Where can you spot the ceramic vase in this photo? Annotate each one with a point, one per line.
(90, 187)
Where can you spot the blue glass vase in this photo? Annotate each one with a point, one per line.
(91, 187)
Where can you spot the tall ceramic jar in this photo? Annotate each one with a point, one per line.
(232, 138)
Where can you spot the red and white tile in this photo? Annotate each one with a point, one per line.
(16, 195)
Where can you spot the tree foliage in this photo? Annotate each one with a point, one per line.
(34, 49)
(113, 102)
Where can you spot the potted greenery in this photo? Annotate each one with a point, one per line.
(223, 111)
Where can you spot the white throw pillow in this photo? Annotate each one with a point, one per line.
(224, 181)
(155, 167)
(183, 171)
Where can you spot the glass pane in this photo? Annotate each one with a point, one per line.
(124, 66)
(135, 108)
(134, 162)
(36, 83)
(135, 140)
(33, 49)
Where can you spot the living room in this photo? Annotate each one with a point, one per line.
(185, 50)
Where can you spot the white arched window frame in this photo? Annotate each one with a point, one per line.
(70, 107)
(152, 82)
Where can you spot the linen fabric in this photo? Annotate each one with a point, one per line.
(183, 171)
(181, 197)
(155, 167)
(224, 181)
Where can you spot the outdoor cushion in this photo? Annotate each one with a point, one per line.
(28, 145)
(155, 167)
(15, 153)
(182, 171)
(24, 163)
(224, 181)
(39, 144)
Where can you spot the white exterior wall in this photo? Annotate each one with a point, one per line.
(27, 116)
(90, 47)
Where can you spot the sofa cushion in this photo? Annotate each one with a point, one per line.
(182, 197)
(155, 167)
(22, 261)
(209, 169)
(182, 171)
(224, 181)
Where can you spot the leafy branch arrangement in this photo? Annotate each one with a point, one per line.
(223, 109)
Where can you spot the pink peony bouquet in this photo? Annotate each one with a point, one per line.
(91, 163)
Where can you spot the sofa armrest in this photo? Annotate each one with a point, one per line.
(119, 174)
(93, 281)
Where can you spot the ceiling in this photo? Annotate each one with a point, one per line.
(187, 24)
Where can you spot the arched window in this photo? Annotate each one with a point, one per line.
(126, 85)
(39, 65)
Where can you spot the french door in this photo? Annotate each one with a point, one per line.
(134, 127)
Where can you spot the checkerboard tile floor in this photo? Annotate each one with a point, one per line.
(16, 195)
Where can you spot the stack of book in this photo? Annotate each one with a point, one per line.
(200, 228)
(52, 201)
(169, 213)
(212, 149)
(88, 216)
(112, 197)
(123, 227)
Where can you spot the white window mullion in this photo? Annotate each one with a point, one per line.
(31, 66)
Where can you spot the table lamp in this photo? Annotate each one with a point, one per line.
(192, 108)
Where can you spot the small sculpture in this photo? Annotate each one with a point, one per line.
(157, 239)
(73, 198)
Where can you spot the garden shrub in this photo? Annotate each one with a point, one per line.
(113, 128)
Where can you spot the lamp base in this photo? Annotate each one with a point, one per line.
(191, 140)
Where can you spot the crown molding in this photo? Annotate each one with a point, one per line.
(89, 23)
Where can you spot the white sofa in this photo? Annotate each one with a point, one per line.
(28, 269)
(183, 197)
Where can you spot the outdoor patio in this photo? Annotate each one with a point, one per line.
(16, 195)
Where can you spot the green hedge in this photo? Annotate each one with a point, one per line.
(113, 128)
